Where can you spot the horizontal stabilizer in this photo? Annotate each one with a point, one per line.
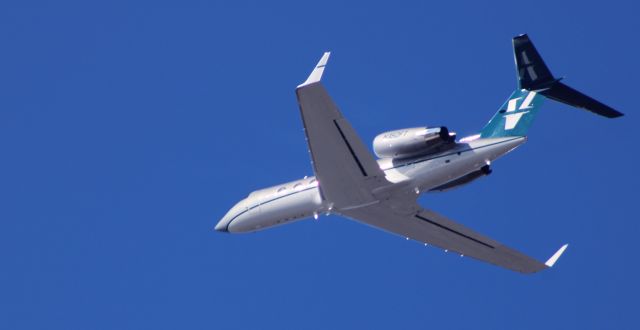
(556, 256)
(534, 75)
(567, 95)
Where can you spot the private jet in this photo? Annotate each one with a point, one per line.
(383, 192)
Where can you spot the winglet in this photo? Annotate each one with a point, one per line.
(316, 74)
(556, 256)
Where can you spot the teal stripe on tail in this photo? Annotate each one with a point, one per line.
(515, 116)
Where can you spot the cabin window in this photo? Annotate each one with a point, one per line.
(446, 161)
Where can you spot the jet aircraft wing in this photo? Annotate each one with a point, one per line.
(408, 219)
(353, 183)
(346, 171)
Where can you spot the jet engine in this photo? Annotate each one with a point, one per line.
(412, 142)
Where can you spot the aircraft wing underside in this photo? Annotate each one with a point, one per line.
(346, 170)
(426, 226)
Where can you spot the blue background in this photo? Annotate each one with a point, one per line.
(128, 129)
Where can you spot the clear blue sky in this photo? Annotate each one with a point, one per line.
(128, 129)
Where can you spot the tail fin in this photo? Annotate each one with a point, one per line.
(535, 82)
(515, 116)
(533, 74)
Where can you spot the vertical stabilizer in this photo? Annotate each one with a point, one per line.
(535, 83)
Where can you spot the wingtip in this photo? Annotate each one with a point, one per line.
(324, 59)
(556, 256)
(318, 70)
(615, 114)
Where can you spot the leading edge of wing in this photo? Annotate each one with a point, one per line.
(346, 170)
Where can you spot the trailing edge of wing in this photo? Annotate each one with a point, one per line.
(317, 72)
(409, 220)
(556, 256)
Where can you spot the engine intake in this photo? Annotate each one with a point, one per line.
(412, 142)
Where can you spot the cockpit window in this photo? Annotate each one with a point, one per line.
(281, 189)
(313, 181)
(297, 185)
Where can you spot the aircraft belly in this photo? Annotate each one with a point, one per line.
(438, 172)
(431, 173)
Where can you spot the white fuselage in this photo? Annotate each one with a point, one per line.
(301, 199)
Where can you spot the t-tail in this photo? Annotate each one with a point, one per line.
(535, 83)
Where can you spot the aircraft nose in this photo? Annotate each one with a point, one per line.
(222, 225)
(234, 212)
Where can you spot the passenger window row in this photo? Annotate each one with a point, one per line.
(297, 185)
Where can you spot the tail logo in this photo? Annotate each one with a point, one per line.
(515, 112)
(529, 66)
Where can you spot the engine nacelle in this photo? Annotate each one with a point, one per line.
(411, 142)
